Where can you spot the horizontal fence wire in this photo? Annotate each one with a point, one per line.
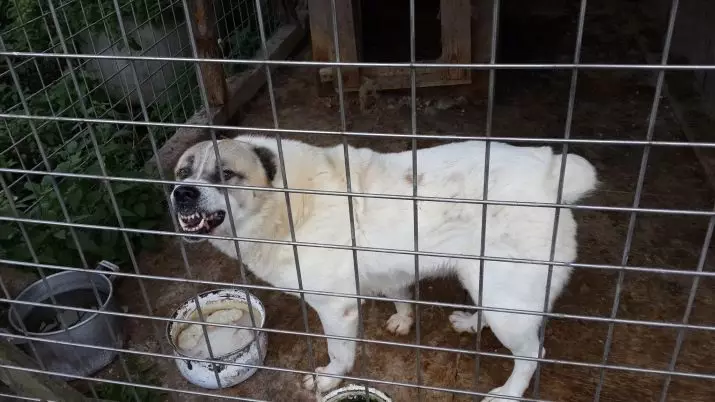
(308, 63)
(440, 137)
(251, 22)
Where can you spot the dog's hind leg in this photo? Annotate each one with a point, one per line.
(400, 322)
(517, 332)
(339, 320)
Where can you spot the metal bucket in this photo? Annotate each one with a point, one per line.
(71, 289)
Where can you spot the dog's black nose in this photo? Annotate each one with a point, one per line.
(186, 194)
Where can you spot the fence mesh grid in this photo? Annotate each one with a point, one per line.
(90, 91)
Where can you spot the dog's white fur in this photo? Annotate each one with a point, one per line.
(453, 170)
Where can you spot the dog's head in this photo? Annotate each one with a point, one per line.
(202, 209)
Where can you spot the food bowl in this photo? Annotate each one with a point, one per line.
(356, 393)
(231, 348)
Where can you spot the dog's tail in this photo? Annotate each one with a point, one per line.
(579, 177)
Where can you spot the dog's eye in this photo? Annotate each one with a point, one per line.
(228, 174)
(183, 173)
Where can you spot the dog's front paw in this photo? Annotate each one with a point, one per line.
(323, 384)
(399, 324)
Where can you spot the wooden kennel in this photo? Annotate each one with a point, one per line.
(456, 36)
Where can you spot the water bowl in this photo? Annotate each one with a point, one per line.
(356, 393)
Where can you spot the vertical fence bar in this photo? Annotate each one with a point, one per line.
(485, 184)
(289, 210)
(415, 214)
(560, 188)
(638, 193)
(348, 183)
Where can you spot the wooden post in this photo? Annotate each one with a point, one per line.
(456, 36)
(321, 36)
(31, 384)
(207, 47)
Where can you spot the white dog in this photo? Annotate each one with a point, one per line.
(456, 170)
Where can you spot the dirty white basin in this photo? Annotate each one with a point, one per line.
(232, 348)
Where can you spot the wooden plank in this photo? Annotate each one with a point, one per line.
(32, 384)
(213, 75)
(399, 78)
(456, 36)
(241, 88)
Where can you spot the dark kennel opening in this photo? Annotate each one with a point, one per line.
(386, 30)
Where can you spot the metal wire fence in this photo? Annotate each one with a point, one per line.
(91, 90)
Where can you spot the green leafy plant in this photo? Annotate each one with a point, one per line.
(87, 201)
(48, 89)
(61, 87)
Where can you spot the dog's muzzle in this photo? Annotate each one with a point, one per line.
(191, 218)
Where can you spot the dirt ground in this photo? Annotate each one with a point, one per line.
(610, 105)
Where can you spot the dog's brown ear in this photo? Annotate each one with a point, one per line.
(268, 161)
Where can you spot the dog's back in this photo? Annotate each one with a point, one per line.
(456, 171)
(450, 171)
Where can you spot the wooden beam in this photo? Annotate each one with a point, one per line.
(33, 384)
(398, 78)
(213, 74)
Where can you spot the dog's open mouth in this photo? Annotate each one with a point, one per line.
(201, 223)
